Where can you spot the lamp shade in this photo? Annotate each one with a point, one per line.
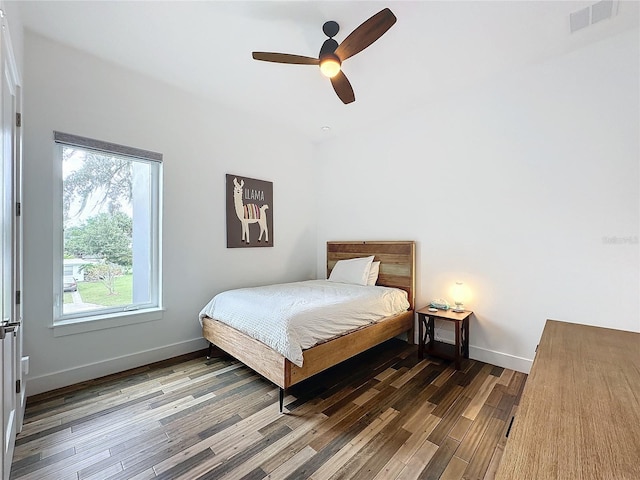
(458, 296)
(330, 66)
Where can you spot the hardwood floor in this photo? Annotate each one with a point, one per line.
(382, 415)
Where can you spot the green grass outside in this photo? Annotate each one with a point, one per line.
(98, 293)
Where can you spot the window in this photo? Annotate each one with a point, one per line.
(109, 252)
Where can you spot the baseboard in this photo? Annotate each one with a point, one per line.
(64, 378)
(500, 359)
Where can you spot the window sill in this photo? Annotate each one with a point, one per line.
(102, 322)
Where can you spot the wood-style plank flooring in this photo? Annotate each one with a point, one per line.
(382, 415)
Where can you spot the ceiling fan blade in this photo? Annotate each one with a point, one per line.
(367, 33)
(343, 88)
(285, 58)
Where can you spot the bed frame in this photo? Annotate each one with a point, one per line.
(397, 269)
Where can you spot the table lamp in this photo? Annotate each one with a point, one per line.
(458, 297)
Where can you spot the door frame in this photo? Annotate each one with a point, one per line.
(12, 371)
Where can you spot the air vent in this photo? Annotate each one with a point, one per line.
(580, 19)
(593, 14)
(601, 10)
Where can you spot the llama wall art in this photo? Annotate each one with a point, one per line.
(248, 203)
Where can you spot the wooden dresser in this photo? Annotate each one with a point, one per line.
(579, 416)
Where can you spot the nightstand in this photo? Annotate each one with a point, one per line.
(426, 328)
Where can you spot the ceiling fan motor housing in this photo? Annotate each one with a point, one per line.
(329, 46)
(330, 63)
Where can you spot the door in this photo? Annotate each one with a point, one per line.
(12, 396)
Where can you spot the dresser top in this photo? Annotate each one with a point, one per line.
(579, 416)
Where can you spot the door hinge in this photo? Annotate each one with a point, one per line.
(18, 119)
(18, 297)
(18, 386)
(18, 209)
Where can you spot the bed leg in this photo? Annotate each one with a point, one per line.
(210, 351)
(281, 399)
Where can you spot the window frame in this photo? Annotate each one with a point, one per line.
(122, 315)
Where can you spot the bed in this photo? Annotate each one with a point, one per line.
(397, 270)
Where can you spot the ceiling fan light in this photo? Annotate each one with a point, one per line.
(330, 67)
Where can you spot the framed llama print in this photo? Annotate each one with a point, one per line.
(249, 212)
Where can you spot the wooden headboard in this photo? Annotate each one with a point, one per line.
(397, 261)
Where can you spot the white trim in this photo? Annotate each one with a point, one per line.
(157, 175)
(11, 59)
(102, 322)
(500, 359)
(63, 378)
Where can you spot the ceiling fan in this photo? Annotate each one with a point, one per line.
(332, 55)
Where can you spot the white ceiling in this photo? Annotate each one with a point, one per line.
(434, 48)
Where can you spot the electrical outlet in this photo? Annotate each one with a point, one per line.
(24, 362)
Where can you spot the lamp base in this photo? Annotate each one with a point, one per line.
(458, 308)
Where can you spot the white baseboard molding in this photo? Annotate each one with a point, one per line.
(64, 378)
(500, 359)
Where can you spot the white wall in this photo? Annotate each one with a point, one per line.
(76, 93)
(514, 187)
(511, 187)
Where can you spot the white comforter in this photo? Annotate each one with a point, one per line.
(291, 317)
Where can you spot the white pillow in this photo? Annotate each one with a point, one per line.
(373, 273)
(354, 270)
